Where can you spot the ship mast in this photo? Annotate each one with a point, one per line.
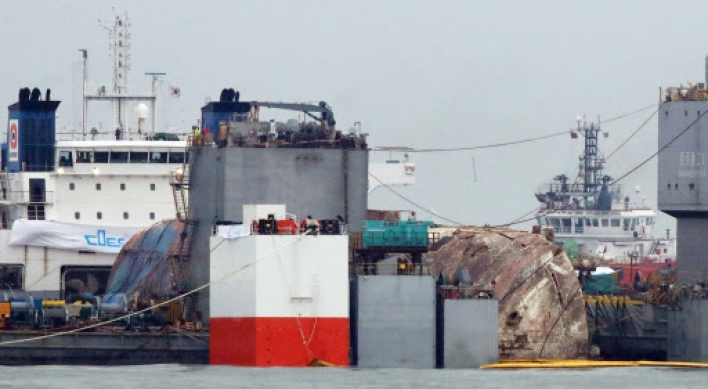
(120, 45)
(118, 95)
(591, 162)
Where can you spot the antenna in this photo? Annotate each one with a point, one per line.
(83, 90)
(119, 39)
(155, 79)
(474, 170)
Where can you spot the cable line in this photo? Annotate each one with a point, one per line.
(632, 135)
(628, 114)
(490, 146)
(414, 203)
(495, 145)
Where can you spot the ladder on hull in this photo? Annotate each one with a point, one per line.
(179, 258)
(179, 250)
(179, 180)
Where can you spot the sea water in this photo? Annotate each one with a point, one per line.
(182, 376)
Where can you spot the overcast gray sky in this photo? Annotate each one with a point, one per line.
(414, 73)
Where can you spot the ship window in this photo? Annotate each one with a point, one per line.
(666, 251)
(605, 222)
(668, 186)
(99, 215)
(119, 157)
(125, 215)
(675, 186)
(555, 223)
(685, 113)
(122, 186)
(65, 159)
(100, 157)
(84, 156)
(615, 222)
(578, 226)
(634, 223)
(77, 215)
(11, 276)
(666, 113)
(152, 187)
(98, 186)
(691, 186)
(138, 157)
(650, 221)
(72, 186)
(587, 222)
(176, 157)
(566, 225)
(152, 215)
(626, 223)
(158, 157)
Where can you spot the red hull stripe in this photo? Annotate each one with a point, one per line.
(278, 341)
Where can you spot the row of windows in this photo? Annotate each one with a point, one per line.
(66, 158)
(685, 113)
(98, 186)
(565, 225)
(99, 215)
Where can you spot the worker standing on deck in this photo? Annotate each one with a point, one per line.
(312, 224)
(197, 135)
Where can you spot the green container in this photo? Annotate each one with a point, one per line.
(403, 233)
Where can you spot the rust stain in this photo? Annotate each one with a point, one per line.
(541, 307)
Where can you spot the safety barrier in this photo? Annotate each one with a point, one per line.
(452, 292)
(391, 269)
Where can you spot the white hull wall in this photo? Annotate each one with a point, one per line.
(42, 266)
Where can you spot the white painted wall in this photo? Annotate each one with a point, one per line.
(137, 199)
(308, 278)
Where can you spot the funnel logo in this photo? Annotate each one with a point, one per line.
(100, 239)
(14, 141)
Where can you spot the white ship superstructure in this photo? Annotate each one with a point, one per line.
(594, 215)
(69, 223)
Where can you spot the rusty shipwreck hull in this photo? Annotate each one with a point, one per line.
(541, 305)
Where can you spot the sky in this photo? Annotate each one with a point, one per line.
(420, 74)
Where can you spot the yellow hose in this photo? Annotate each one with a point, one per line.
(538, 363)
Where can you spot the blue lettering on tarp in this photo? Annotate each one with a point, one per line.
(100, 239)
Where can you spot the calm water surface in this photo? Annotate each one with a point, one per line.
(179, 376)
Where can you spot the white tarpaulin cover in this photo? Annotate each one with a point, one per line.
(70, 236)
(234, 231)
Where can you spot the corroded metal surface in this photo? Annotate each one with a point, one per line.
(541, 305)
(148, 262)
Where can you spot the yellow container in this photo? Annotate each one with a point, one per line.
(53, 303)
